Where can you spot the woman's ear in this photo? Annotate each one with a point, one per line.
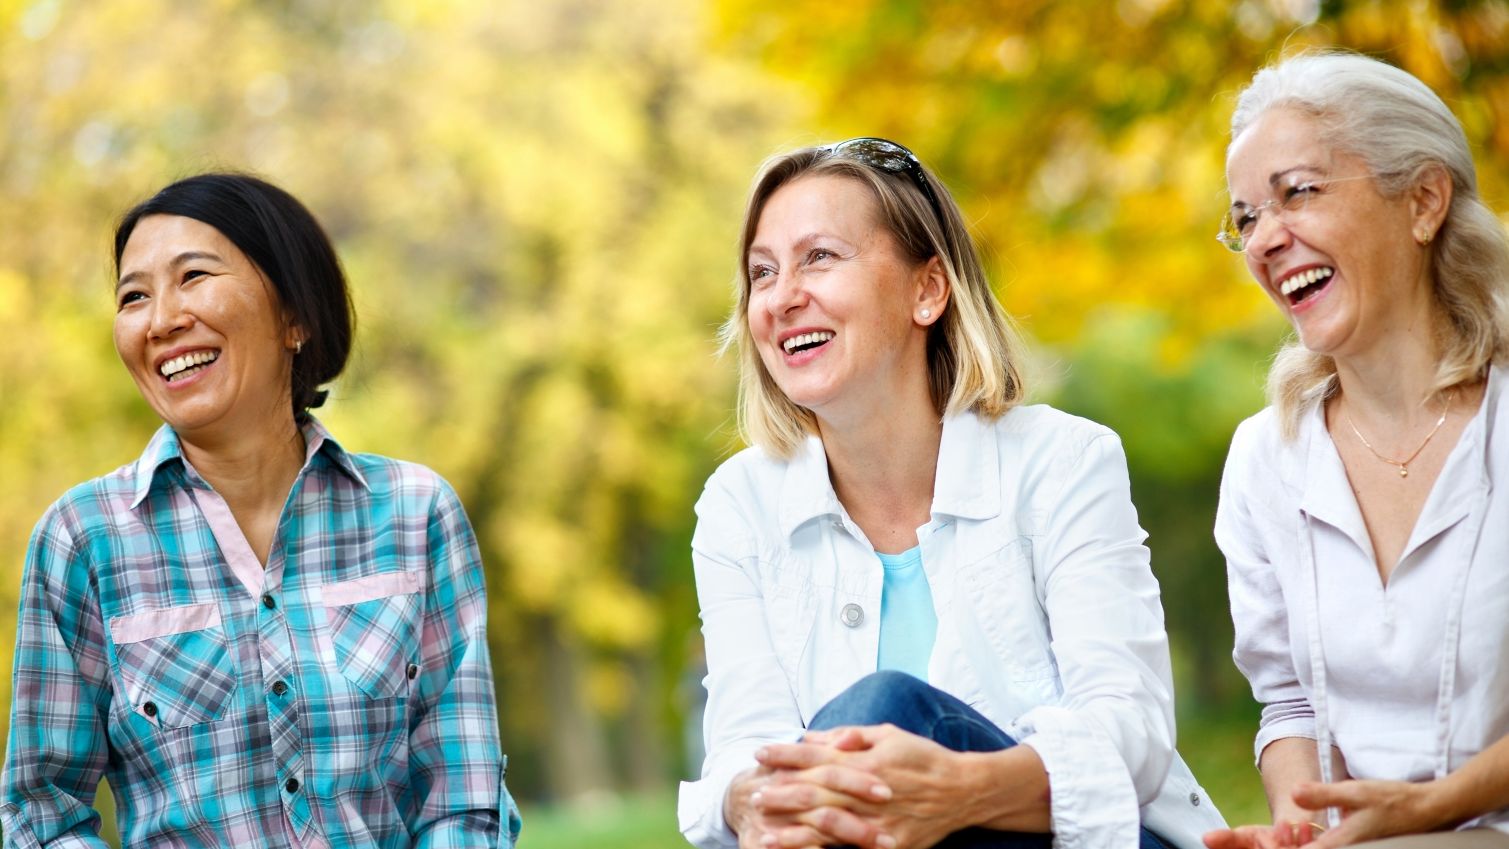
(1430, 200)
(294, 338)
(933, 291)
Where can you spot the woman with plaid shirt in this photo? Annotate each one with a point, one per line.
(260, 638)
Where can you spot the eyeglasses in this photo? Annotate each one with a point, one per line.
(892, 158)
(1292, 197)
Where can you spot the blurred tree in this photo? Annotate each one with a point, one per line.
(1086, 139)
(537, 206)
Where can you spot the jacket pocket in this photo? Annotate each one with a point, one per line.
(374, 624)
(175, 664)
(1003, 592)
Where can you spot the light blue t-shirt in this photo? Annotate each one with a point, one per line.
(908, 623)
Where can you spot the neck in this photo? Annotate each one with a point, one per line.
(886, 464)
(1394, 383)
(252, 468)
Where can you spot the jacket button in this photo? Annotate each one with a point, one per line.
(268, 602)
(412, 671)
(1194, 799)
(150, 708)
(279, 688)
(852, 615)
(291, 785)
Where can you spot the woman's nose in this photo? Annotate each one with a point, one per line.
(1270, 234)
(790, 294)
(169, 315)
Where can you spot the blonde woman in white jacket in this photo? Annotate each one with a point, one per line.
(908, 574)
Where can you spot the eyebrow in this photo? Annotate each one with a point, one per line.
(1279, 175)
(185, 257)
(1276, 176)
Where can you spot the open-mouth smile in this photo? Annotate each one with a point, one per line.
(185, 366)
(1304, 284)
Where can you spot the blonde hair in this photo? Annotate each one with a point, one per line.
(1401, 130)
(973, 349)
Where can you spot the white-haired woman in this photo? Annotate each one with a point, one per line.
(909, 567)
(1363, 512)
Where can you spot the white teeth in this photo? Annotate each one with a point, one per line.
(178, 364)
(1303, 279)
(806, 339)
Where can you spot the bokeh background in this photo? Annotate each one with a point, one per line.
(537, 203)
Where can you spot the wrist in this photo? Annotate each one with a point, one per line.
(1439, 803)
(1008, 790)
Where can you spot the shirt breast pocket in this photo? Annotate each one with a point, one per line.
(175, 664)
(374, 624)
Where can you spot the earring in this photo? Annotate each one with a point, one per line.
(1424, 237)
(926, 313)
(298, 347)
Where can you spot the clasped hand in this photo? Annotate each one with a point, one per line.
(875, 787)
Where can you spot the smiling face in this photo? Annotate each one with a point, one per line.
(1343, 264)
(199, 329)
(835, 305)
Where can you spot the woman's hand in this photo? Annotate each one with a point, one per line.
(805, 807)
(921, 778)
(1280, 835)
(1373, 809)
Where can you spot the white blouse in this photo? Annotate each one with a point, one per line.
(1407, 679)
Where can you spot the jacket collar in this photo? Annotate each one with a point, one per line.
(165, 451)
(967, 484)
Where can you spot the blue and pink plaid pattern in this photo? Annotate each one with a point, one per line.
(342, 697)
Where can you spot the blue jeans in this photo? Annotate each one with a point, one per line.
(913, 705)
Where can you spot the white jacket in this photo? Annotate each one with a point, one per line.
(1049, 621)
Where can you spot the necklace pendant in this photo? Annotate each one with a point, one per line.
(1403, 472)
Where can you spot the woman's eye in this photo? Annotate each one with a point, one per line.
(759, 272)
(1245, 222)
(128, 298)
(820, 254)
(1299, 192)
(194, 273)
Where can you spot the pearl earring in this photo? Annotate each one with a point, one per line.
(926, 313)
(298, 347)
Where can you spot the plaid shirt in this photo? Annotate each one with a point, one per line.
(341, 697)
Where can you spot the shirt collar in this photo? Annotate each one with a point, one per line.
(967, 485)
(164, 448)
(1328, 494)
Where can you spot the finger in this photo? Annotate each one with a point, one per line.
(1342, 794)
(792, 837)
(850, 740)
(839, 778)
(846, 827)
(799, 797)
(1223, 839)
(794, 755)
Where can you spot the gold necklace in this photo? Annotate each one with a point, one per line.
(1402, 464)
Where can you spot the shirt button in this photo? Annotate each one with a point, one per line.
(412, 671)
(852, 615)
(150, 708)
(279, 688)
(291, 785)
(1194, 799)
(268, 601)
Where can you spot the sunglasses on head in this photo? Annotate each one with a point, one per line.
(892, 158)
